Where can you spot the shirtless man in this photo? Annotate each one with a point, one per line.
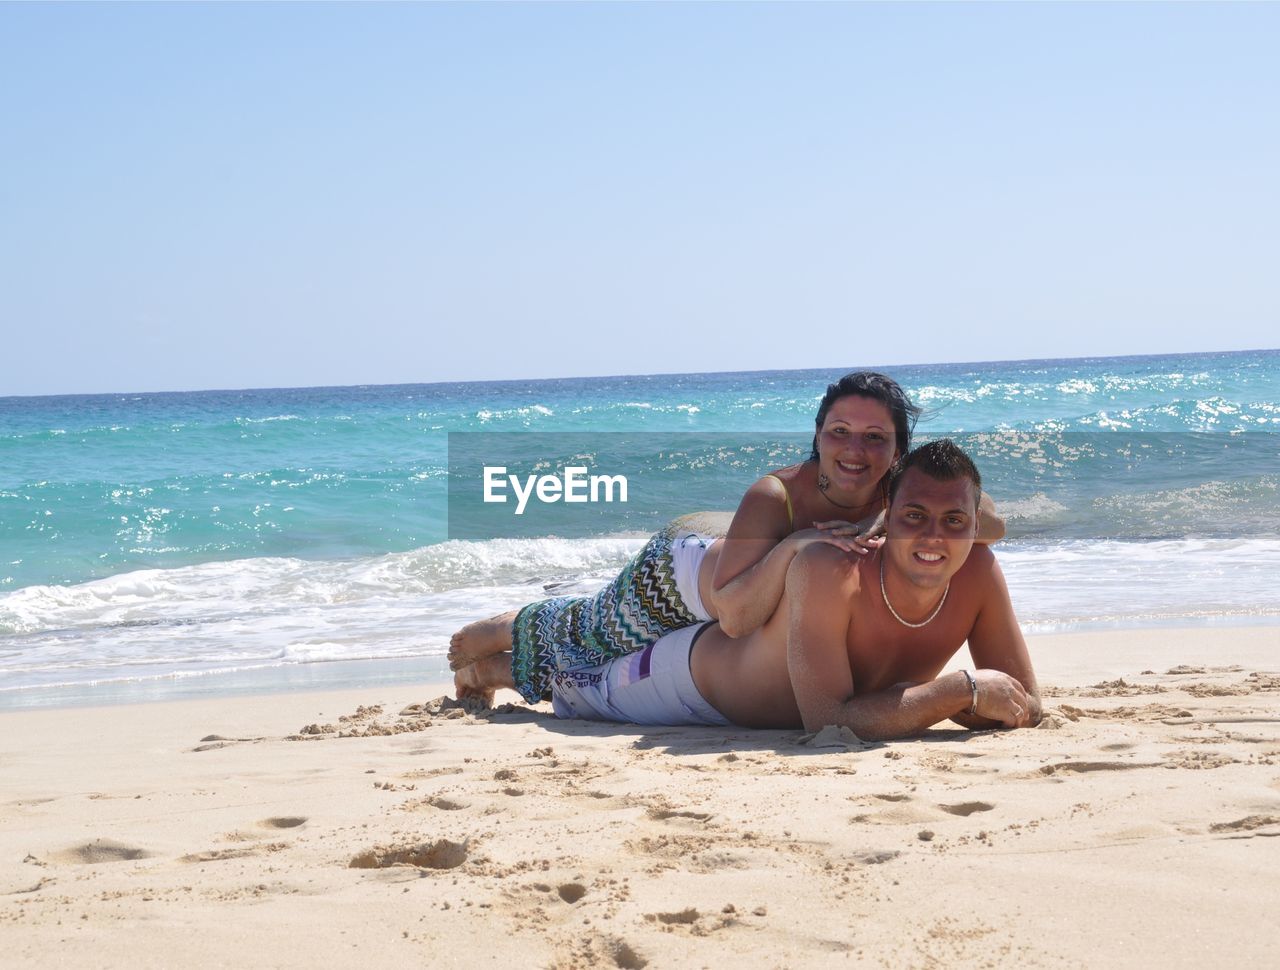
(856, 641)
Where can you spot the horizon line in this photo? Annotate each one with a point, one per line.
(608, 377)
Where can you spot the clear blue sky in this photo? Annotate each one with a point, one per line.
(269, 195)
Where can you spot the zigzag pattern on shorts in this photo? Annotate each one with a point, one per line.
(630, 613)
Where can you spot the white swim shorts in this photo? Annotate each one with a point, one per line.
(653, 686)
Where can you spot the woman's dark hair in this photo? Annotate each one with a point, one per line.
(878, 387)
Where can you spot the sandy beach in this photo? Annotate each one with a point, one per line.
(1135, 827)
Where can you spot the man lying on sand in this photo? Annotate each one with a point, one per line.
(857, 641)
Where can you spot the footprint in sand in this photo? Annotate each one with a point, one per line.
(445, 804)
(212, 742)
(601, 951)
(1199, 760)
(685, 917)
(601, 801)
(1250, 824)
(99, 851)
(695, 922)
(216, 855)
(277, 823)
(571, 892)
(873, 858)
(695, 853)
(1084, 767)
(222, 855)
(662, 814)
(440, 854)
(965, 809)
(902, 815)
(283, 822)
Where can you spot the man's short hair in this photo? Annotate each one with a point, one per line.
(942, 459)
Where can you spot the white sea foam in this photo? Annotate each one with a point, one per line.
(1077, 386)
(1037, 509)
(154, 595)
(265, 613)
(1079, 584)
(268, 420)
(487, 415)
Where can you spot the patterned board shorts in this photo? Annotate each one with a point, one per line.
(632, 612)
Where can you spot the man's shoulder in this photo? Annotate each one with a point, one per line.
(980, 575)
(826, 564)
(980, 560)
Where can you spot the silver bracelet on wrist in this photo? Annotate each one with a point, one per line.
(973, 687)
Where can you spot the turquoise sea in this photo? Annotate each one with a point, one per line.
(223, 540)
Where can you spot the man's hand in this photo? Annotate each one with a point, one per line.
(997, 647)
(1002, 699)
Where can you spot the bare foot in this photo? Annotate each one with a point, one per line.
(480, 679)
(481, 639)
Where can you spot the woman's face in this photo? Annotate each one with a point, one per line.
(856, 444)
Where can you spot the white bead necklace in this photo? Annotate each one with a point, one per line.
(914, 626)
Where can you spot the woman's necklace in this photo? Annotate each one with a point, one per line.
(824, 483)
(914, 626)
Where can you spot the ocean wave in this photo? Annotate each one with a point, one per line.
(1213, 413)
(204, 591)
(1212, 509)
(263, 613)
(1088, 622)
(525, 415)
(1037, 508)
(1141, 583)
(271, 419)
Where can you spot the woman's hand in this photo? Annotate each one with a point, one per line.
(861, 537)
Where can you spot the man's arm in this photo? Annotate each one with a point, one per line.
(824, 581)
(996, 643)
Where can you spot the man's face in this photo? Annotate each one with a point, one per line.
(930, 528)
